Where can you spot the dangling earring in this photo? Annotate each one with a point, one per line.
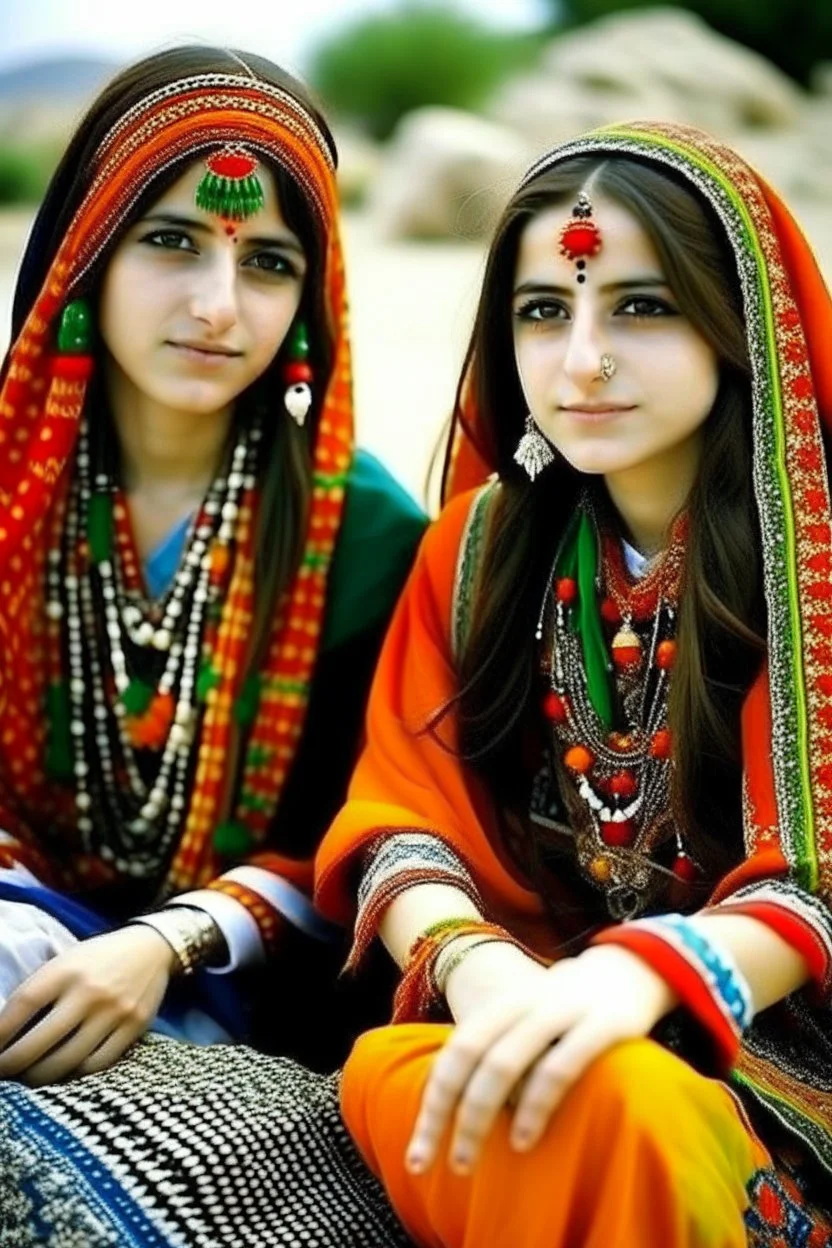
(297, 374)
(534, 452)
(73, 356)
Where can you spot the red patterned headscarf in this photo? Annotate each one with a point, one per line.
(41, 403)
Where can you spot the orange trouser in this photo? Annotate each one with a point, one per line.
(642, 1153)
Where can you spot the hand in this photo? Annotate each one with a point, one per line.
(95, 1000)
(542, 1028)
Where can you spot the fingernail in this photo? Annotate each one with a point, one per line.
(521, 1140)
(415, 1162)
(461, 1163)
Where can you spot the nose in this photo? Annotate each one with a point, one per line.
(213, 299)
(585, 347)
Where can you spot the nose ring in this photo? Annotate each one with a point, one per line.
(608, 367)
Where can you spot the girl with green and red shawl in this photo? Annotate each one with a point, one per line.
(196, 568)
(592, 818)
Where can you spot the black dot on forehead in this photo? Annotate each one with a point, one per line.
(581, 264)
(582, 277)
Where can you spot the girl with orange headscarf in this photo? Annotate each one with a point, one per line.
(592, 819)
(195, 567)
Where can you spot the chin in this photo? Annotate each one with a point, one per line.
(598, 460)
(199, 400)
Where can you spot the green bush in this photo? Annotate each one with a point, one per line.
(25, 172)
(793, 35)
(379, 68)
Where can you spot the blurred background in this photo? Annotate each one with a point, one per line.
(438, 107)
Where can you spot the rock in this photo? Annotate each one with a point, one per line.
(661, 63)
(359, 161)
(447, 174)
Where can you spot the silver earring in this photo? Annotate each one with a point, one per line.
(533, 452)
(608, 367)
(298, 400)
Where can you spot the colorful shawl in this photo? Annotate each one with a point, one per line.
(40, 407)
(409, 782)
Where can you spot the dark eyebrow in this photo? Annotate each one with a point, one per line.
(630, 283)
(200, 227)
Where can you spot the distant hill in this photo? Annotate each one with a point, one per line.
(60, 78)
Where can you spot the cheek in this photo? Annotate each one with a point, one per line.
(538, 357)
(131, 309)
(269, 319)
(683, 380)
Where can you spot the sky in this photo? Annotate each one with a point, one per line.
(284, 30)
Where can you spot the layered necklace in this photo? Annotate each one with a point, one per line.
(135, 668)
(610, 742)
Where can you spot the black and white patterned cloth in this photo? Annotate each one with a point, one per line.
(179, 1146)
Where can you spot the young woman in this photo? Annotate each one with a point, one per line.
(591, 819)
(195, 568)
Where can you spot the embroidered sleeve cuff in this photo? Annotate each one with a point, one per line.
(800, 918)
(395, 863)
(681, 970)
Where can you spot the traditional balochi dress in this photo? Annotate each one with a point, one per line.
(645, 1149)
(177, 1144)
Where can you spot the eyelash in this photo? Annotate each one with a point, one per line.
(658, 308)
(282, 267)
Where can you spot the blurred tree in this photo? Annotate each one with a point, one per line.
(379, 68)
(25, 171)
(794, 34)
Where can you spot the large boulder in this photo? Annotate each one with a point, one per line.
(447, 174)
(662, 63)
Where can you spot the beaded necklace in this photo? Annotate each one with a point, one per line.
(615, 776)
(137, 669)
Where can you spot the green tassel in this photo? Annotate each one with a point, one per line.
(232, 839)
(245, 708)
(579, 560)
(233, 199)
(75, 329)
(298, 348)
(208, 679)
(137, 697)
(100, 528)
(59, 753)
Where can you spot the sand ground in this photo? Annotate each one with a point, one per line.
(412, 305)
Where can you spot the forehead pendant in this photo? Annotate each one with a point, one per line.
(230, 188)
(580, 239)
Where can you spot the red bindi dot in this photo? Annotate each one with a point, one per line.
(231, 230)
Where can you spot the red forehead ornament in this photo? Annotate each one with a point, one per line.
(230, 188)
(580, 239)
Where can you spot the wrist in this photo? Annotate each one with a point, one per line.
(191, 934)
(484, 968)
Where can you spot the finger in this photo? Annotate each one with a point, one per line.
(64, 1017)
(449, 1075)
(67, 1056)
(490, 1087)
(552, 1078)
(34, 995)
(114, 1048)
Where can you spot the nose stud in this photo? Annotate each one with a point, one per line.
(608, 367)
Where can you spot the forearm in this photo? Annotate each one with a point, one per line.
(418, 908)
(771, 966)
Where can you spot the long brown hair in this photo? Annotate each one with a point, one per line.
(722, 618)
(285, 479)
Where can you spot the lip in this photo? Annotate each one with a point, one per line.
(596, 415)
(202, 353)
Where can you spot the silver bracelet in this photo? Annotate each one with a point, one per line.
(191, 933)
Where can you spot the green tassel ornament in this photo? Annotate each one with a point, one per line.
(231, 189)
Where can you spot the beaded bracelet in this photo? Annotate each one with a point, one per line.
(419, 991)
(702, 973)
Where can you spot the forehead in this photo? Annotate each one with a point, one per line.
(181, 195)
(626, 244)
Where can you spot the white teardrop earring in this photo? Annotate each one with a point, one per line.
(534, 452)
